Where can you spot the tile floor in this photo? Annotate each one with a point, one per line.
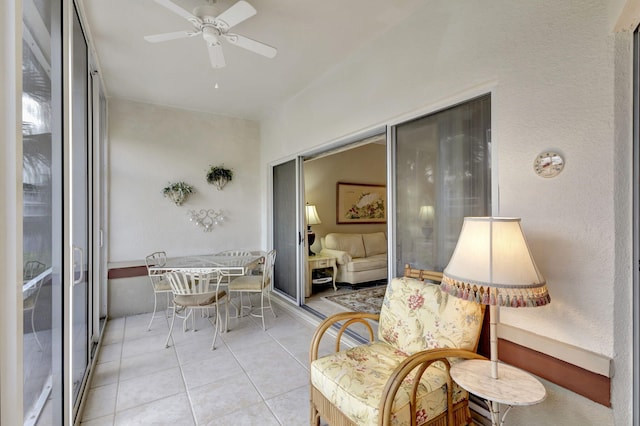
(252, 377)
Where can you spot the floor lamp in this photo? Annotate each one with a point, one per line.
(492, 265)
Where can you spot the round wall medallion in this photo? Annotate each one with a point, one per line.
(548, 164)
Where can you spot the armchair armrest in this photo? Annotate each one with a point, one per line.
(342, 257)
(420, 361)
(349, 318)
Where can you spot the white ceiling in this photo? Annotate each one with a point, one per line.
(311, 37)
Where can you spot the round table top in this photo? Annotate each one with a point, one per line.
(512, 387)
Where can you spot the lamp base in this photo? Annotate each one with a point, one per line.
(311, 238)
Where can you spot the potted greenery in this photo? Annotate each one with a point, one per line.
(219, 176)
(178, 192)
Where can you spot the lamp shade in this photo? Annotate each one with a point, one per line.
(492, 265)
(426, 213)
(311, 215)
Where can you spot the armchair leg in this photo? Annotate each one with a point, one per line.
(315, 416)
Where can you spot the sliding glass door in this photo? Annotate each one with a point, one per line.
(443, 174)
(42, 185)
(287, 235)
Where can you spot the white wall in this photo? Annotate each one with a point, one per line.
(555, 69)
(150, 146)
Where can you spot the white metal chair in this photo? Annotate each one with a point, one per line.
(193, 290)
(257, 284)
(227, 278)
(158, 283)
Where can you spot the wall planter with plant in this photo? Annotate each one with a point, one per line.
(178, 192)
(219, 176)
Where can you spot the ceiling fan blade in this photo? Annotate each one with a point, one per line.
(178, 10)
(216, 56)
(252, 45)
(169, 36)
(236, 14)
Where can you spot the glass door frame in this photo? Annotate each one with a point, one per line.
(636, 228)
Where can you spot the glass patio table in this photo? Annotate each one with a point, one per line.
(223, 265)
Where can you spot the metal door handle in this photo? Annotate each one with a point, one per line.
(81, 278)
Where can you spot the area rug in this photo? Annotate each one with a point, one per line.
(365, 300)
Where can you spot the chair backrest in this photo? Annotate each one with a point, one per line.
(191, 283)
(32, 269)
(267, 271)
(417, 315)
(158, 258)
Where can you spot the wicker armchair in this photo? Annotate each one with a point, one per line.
(402, 378)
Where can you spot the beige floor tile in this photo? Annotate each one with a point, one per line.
(279, 377)
(198, 347)
(173, 410)
(218, 399)
(291, 408)
(110, 352)
(244, 333)
(144, 389)
(151, 362)
(100, 402)
(144, 344)
(260, 355)
(211, 369)
(106, 373)
(102, 421)
(114, 333)
(258, 414)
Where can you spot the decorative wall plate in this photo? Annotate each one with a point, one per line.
(548, 164)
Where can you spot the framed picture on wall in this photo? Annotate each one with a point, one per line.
(361, 203)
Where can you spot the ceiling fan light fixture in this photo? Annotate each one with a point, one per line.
(210, 35)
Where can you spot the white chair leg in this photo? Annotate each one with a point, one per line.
(218, 321)
(169, 302)
(271, 307)
(173, 320)
(155, 305)
(264, 328)
(226, 314)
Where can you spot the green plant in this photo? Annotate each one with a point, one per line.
(219, 176)
(178, 192)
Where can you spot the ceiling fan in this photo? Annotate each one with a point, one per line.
(213, 28)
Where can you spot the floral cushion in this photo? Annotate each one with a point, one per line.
(353, 380)
(416, 315)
